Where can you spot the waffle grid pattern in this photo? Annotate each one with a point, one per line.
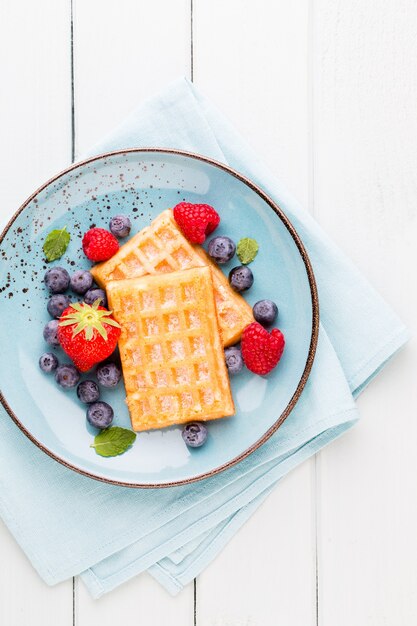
(172, 357)
(161, 248)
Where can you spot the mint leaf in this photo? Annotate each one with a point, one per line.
(56, 243)
(113, 441)
(246, 250)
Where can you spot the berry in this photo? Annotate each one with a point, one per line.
(196, 220)
(265, 312)
(100, 414)
(108, 374)
(96, 294)
(57, 280)
(241, 278)
(50, 333)
(261, 350)
(57, 303)
(221, 249)
(48, 362)
(81, 281)
(88, 334)
(194, 434)
(67, 375)
(120, 226)
(88, 391)
(234, 359)
(99, 244)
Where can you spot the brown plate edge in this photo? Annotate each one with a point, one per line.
(314, 330)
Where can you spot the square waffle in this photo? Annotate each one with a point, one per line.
(172, 355)
(161, 248)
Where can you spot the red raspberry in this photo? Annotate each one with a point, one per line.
(196, 220)
(261, 350)
(99, 244)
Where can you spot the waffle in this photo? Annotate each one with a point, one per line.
(160, 248)
(172, 356)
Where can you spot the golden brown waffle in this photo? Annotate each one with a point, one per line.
(172, 356)
(161, 248)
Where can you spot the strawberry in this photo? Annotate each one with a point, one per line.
(196, 220)
(87, 333)
(261, 350)
(99, 244)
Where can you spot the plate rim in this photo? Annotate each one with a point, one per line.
(314, 327)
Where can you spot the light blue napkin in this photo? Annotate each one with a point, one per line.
(68, 524)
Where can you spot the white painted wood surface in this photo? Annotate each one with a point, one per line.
(326, 91)
(35, 139)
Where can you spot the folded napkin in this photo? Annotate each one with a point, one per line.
(69, 524)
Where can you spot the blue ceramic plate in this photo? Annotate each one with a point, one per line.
(141, 183)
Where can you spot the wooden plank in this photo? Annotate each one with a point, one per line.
(365, 188)
(141, 600)
(265, 575)
(35, 136)
(251, 59)
(24, 597)
(123, 53)
(35, 103)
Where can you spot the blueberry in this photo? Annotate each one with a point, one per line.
(48, 362)
(241, 278)
(234, 359)
(57, 303)
(88, 391)
(108, 374)
(57, 280)
(194, 434)
(81, 281)
(221, 249)
(50, 333)
(100, 414)
(67, 375)
(92, 295)
(120, 226)
(265, 312)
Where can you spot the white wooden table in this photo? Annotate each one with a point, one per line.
(326, 91)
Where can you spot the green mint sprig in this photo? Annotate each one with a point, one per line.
(56, 243)
(246, 250)
(113, 441)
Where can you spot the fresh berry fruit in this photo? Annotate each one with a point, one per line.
(96, 294)
(88, 391)
(50, 333)
(99, 244)
(120, 226)
(108, 374)
(261, 350)
(57, 303)
(48, 362)
(88, 334)
(221, 249)
(265, 312)
(196, 220)
(81, 281)
(57, 280)
(100, 414)
(234, 360)
(241, 278)
(67, 375)
(194, 434)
